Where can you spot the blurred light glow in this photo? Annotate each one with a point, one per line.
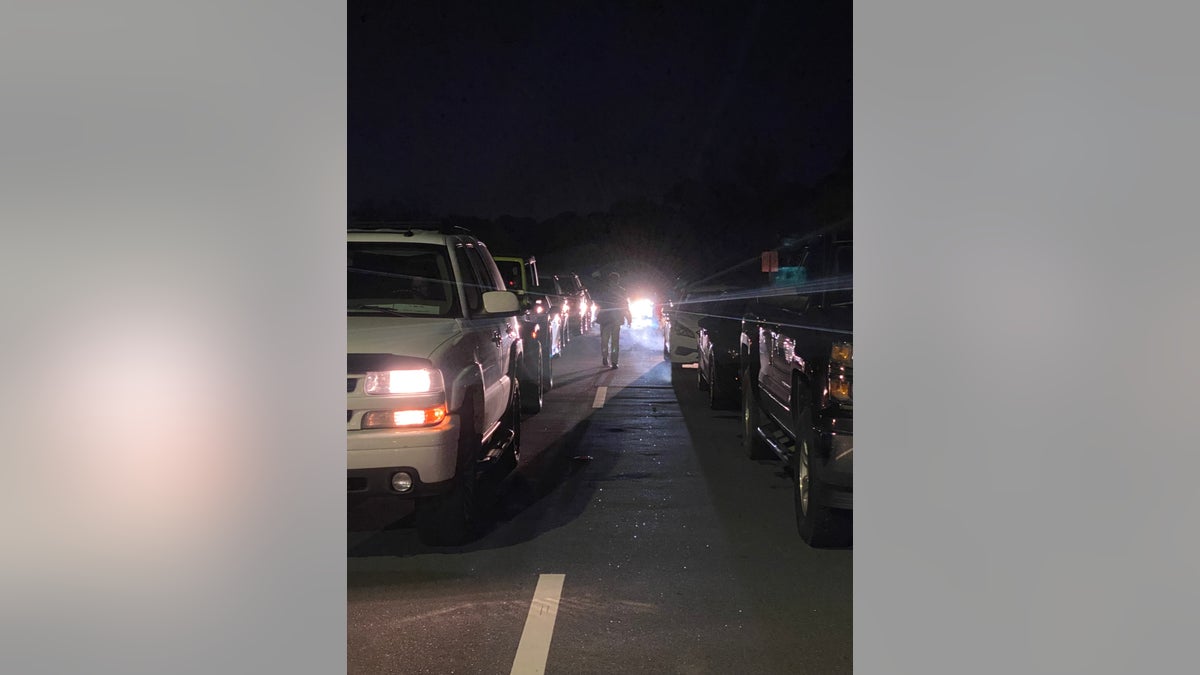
(641, 309)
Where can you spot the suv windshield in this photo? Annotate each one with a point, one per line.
(398, 278)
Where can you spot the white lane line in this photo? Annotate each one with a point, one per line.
(601, 392)
(534, 648)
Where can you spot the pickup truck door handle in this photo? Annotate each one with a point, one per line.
(496, 337)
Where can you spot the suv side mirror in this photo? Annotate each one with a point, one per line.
(501, 302)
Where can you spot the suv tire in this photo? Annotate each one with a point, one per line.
(452, 518)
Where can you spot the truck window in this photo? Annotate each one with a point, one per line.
(489, 279)
(407, 278)
(472, 287)
(511, 271)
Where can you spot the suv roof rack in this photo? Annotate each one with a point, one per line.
(401, 226)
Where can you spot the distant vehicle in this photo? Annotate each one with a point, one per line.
(797, 381)
(542, 325)
(680, 320)
(718, 345)
(545, 293)
(435, 370)
(582, 310)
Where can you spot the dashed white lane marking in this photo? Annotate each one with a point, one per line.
(534, 648)
(601, 392)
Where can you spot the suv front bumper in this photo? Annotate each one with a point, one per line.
(429, 455)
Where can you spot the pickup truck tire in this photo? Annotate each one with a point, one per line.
(752, 445)
(532, 402)
(701, 383)
(547, 370)
(452, 518)
(819, 525)
(718, 394)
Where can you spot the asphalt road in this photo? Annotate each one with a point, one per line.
(651, 543)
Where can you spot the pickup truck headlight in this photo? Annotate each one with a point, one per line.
(403, 382)
(386, 419)
(841, 372)
(842, 352)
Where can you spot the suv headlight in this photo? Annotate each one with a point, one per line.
(421, 381)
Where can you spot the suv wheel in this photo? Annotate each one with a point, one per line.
(453, 518)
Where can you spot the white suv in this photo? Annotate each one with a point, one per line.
(434, 363)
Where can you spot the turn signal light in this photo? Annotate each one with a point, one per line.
(384, 419)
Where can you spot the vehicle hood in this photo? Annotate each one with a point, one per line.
(399, 335)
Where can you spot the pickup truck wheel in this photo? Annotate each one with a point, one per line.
(819, 525)
(453, 518)
(512, 418)
(532, 402)
(547, 370)
(717, 393)
(753, 446)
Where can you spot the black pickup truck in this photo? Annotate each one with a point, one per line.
(797, 359)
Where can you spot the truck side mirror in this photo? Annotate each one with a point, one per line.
(505, 303)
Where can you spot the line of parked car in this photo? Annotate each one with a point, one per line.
(782, 352)
(447, 347)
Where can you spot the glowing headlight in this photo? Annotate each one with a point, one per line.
(842, 352)
(384, 419)
(403, 382)
(839, 385)
(642, 309)
(841, 361)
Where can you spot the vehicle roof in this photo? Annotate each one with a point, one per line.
(413, 236)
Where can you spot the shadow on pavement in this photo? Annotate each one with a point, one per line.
(545, 492)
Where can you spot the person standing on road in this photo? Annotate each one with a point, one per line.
(614, 311)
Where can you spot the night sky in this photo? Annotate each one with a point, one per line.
(531, 110)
